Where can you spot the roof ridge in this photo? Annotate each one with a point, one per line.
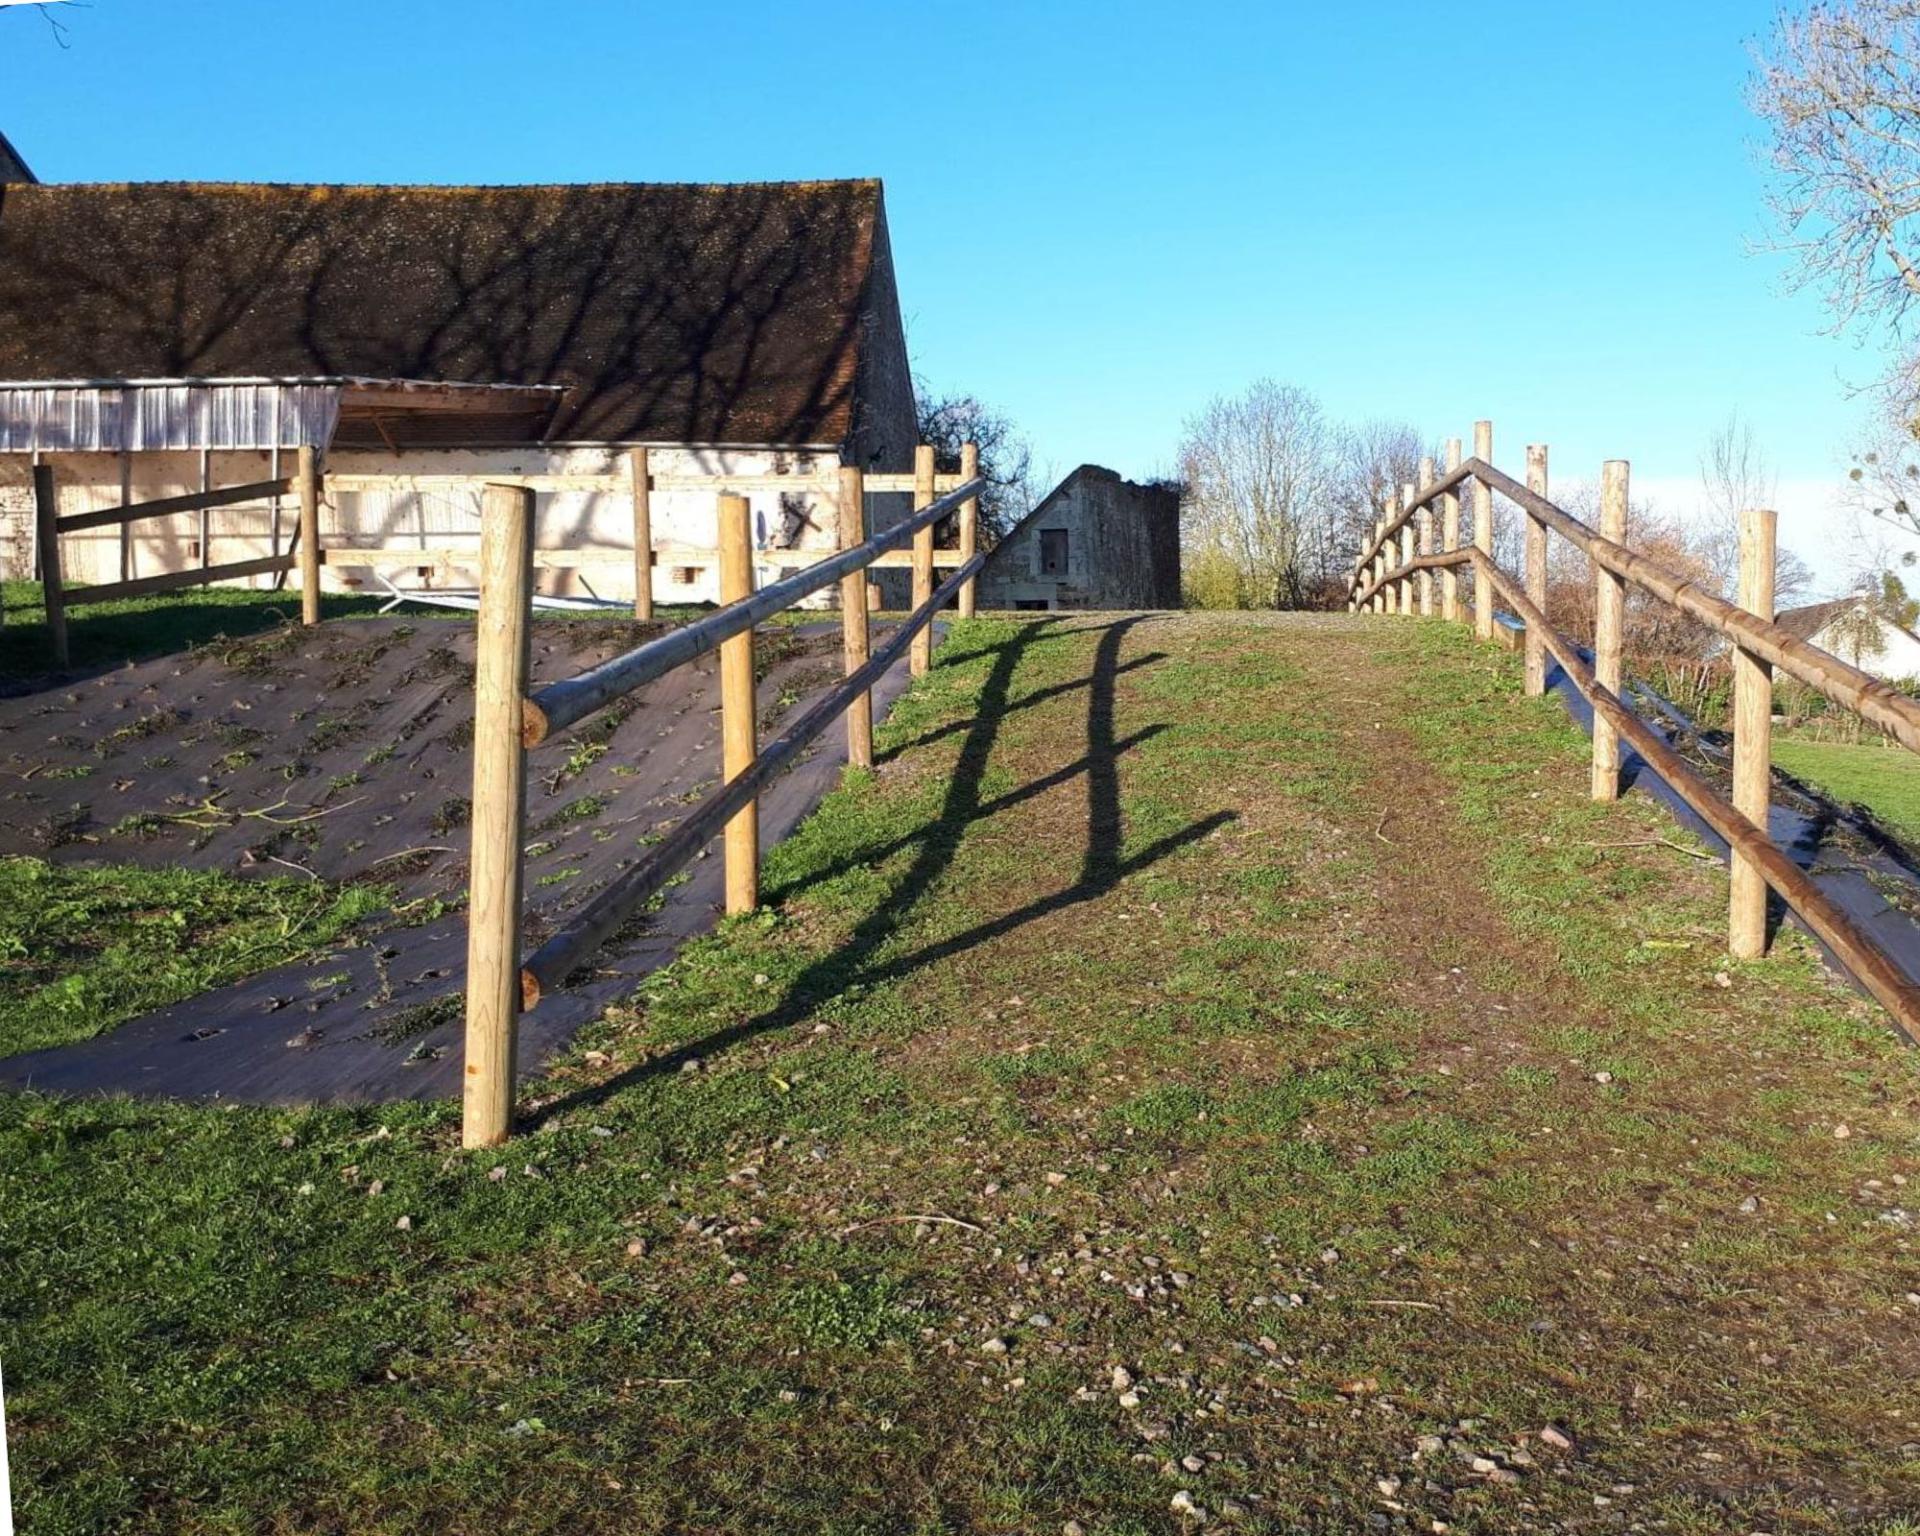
(809, 184)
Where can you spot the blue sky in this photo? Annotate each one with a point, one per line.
(1102, 214)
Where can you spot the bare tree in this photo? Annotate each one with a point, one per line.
(1839, 89)
(1373, 461)
(1006, 458)
(1258, 469)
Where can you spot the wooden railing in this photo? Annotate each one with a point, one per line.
(1395, 572)
(508, 719)
(49, 526)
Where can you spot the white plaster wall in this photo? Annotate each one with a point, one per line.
(1898, 659)
(434, 517)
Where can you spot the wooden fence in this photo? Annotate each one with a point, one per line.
(501, 982)
(1396, 572)
(306, 554)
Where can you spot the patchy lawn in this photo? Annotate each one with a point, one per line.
(1882, 777)
(1215, 1063)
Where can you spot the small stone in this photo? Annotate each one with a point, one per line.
(1183, 1505)
(1122, 1378)
(497, 1175)
(1603, 1077)
(1193, 1463)
(1388, 1486)
(1181, 1279)
(1842, 1131)
(1129, 1399)
(1329, 1255)
(1039, 1320)
(1073, 1528)
(1749, 1205)
(1503, 1475)
(738, 1277)
(760, 978)
(788, 1395)
(1056, 1179)
(376, 1187)
(1722, 979)
(404, 1224)
(304, 1189)
(1483, 1464)
(637, 1249)
(994, 1346)
(1429, 1445)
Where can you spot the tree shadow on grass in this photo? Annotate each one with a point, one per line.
(1104, 862)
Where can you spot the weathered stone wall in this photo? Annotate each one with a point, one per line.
(1123, 548)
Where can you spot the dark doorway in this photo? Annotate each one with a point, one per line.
(1053, 551)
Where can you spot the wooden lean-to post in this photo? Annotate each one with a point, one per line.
(854, 634)
(1536, 570)
(1609, 619)
(46, 524)
(1752, 737)
(920, 653)
(737, 706)
(640, 476)
(969, 525)
(1483, 531)
(308, 475)
(1450, 540)
(496, 868)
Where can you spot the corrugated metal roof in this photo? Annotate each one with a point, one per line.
(116, 417)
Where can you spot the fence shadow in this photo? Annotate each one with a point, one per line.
(1104, 862)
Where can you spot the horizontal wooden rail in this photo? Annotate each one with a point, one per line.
(1447, 561)
(589, 928)
(571, 700)
(468, 555)
(1850, 943)
(166, 506)
(617, 483)
(1423, 496)
(175, 581)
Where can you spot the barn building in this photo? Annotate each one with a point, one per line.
(1096, 541)
(158, 340)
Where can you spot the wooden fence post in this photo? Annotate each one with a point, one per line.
(1407, 535)
(496, 867)
(1426, 548)
(1752, 737)
(737, 706)
(1609, 617)
(920, 653)
(1450, 540)
(308, 473)
(640, 474)
(854, 633)
(46, 523)
(1483, 531)
(1373, 566)
(1382, 598)
(969, 526)
(1536, 571)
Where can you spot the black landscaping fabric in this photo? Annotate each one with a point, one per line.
(342, 754)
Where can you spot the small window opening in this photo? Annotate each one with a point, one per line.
(686, 575)
(1053, 551)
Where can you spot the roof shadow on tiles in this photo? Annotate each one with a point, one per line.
(692, 314)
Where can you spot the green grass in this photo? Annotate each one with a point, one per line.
(1883, 778)
(83, 949)
(1217, 1001)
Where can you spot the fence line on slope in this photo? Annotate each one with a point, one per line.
(508, 719)
(1394, 571)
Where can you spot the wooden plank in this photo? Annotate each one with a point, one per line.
(969, 524)
(176, 581)
(193, 501)
(497, 866)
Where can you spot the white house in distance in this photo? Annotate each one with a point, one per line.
(1835, 629)
(159, 339)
